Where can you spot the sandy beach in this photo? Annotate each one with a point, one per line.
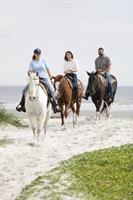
(22, 160)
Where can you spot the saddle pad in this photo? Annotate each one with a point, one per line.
(104, 80)
(42, 86)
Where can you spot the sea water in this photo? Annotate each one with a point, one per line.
(10, 96)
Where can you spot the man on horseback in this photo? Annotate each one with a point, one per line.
(40, 66)
(102, 66)
(70, 70)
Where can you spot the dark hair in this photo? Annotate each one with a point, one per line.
(33, 57)
(65, 58)
(101, 48)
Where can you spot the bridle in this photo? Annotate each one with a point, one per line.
(59, 94)
(96, 84)
(37, 94)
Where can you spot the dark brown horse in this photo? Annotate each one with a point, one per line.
(67, 98)
(98, 89)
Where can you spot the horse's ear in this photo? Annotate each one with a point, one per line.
(53, 77)
(88, 73)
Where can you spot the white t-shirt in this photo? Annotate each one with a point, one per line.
(71, 66)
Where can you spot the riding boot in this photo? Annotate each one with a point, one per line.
(54, 105)
(87, 94)
(76, 94)
(21, 105)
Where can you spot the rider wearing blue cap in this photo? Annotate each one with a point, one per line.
(39, 66)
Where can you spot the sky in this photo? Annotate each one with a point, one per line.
(56, 26)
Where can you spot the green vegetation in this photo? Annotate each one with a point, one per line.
(99, 175)
(7, 118)
(4, 141)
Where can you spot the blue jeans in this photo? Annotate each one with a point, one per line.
(47, 83)
(108, 77)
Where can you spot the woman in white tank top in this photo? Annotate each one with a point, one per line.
(71, 68)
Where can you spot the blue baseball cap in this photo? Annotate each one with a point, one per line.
(37, 51)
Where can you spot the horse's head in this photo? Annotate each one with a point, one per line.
(93, 82)
(33, 85)
(57, 80)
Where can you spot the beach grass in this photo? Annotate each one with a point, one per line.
(5, 141)
(99, 175)
(8, 118)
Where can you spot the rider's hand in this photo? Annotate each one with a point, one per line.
(52, 81)
(102, 73)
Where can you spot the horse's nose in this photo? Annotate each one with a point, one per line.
(32, 98)
(92, 92)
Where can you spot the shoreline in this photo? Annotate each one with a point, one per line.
(115, 113)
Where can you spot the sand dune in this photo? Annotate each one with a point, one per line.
(21, 161)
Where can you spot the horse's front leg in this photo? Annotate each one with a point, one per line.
(98, 104)
(33, 126)
(40, 120)
(66, 114)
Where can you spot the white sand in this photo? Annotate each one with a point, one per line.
(20, 162)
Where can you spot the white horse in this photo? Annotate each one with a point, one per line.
(37, 106)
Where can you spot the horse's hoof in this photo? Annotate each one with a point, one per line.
(74, 125)
(63, 128)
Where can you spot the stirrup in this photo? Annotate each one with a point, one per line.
(85, 97)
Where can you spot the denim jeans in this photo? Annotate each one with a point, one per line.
(108, 77)
(47, 83)
(73, 79)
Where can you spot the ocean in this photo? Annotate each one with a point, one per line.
(11, 95)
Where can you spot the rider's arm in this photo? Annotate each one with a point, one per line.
(96, 67)
(108, 65)
(49, 73)
(107, 69)
(48, 70)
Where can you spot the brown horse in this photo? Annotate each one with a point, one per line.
(67, 98)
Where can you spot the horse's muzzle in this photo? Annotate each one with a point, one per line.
(92, 92)
(32, 98)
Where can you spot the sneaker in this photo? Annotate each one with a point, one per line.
(19, 108)
(56, 110)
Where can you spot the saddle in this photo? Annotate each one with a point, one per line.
(105, 81)
(44, 87)
(69, 80)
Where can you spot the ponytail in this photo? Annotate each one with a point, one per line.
(33, 57)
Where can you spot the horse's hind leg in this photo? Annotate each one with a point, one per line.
(108, 111)
(78, 105)
(48, 115)
(74, 115)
